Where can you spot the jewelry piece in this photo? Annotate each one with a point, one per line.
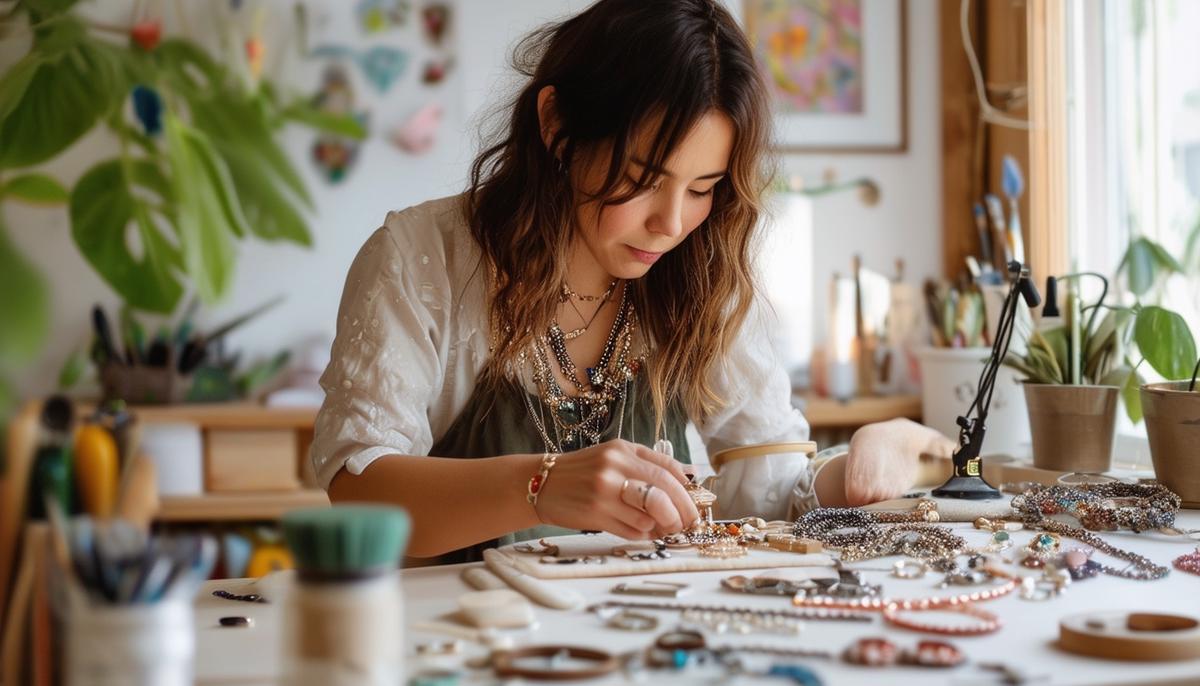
(933, 654)
(1189, 563)
(742, 622)
(666, 589)
(248, 598)
(440, 648)
(504, 663)
(831, 614)
(646, 488)
(791, 544)
(632, 621)
(775, 651)
(583, 559)
(877, 604)
(988, 622)
(868, 539)
(538, 481)
(872, 652)
(763, 585)
(1040, 549)
(543, 548)
(659, 552)
(1103, 507)
(1144, 568)
(235, 621)
(680, 640)
(567, 293)
(909, 569)
(723, 549)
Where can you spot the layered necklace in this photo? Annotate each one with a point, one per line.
(606, 386)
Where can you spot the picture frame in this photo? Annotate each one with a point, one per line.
(836, 70)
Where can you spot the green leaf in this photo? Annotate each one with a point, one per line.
(24, 306)
(237, 122)
(184, 61)
(105, 200)
(206, 228)
(38, 189)
(72, 371)
(16, 81)
(262, 373)
(339, 124)
(1132, 394)
(49, 6)
(1166, 342)
(270, 212)
(1144, 260)
(63, 99)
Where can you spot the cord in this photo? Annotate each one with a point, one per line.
(987, 111)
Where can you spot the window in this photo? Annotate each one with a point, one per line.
(1133, 103)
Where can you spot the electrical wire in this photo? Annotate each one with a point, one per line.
(987, 111)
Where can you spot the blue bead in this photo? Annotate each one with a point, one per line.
(797, 673)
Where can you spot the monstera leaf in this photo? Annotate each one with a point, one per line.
(111, 196)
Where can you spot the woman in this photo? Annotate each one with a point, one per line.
(590, 293)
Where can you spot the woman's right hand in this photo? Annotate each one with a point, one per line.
(624, 488)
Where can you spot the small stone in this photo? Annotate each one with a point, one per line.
(347, 384)
(235, 621)
(1000, 537)
(1075, 559)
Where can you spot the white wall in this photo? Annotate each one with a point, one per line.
(905, 224)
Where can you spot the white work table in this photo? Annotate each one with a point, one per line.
(1026, 641)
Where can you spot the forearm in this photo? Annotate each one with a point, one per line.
(453, 503)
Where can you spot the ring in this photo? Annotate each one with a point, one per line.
(646, 494)
(624, 486)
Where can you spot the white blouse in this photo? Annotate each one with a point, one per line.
(412, 339)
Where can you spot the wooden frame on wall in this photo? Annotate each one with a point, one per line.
(882, 126)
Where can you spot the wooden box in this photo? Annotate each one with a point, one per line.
(251, 460)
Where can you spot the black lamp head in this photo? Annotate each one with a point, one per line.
(1051, 308)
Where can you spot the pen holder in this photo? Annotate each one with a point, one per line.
(145, 644)
(144, 385)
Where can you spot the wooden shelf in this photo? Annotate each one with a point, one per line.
(229, 415)
(212, 507)
(826, 412)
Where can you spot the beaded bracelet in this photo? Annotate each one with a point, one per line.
(538, 481)
(988, 622)
(879, 604)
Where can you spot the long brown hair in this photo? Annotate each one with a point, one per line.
(620, 67)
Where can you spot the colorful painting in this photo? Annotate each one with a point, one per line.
(836, 71)
(811, 53)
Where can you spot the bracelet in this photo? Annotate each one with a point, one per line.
(988, 622)
(538, 481)
(504, 663)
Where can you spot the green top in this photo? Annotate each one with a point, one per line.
(499, 424)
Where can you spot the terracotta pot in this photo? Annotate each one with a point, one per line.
(1173, 424)
(1072, 426)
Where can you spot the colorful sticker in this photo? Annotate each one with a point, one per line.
(435, 18)
(435, 70)
(334, 155)
(418, 133)
(381, 65)
(381, 15)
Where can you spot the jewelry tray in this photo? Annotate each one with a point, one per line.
(681, 560)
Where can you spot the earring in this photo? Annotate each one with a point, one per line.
(560, 166)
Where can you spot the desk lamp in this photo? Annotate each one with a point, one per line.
(967, 482)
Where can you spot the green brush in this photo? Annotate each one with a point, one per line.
(346, 542)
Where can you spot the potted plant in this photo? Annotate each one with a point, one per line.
(1165, 341)
(1073, 379)
(199, 167)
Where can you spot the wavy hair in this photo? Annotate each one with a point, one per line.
(619, 68)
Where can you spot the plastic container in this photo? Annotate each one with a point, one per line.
(130, 645)
(949, 378)
(344, 633)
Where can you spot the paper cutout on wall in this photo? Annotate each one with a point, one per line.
(417, 134)
(381, 65)
(334, 155)
(435, 17)
(380, 15)
(435, 70)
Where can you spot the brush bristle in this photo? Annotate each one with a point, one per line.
(347, 540)
(1012, 181)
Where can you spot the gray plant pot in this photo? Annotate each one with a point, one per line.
(1072, 427)
(1173, 424)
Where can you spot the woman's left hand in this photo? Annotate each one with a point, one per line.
(884, 459)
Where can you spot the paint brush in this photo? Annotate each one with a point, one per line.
(1012, 182)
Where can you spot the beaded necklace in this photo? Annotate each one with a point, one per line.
(861, 536)
(606, 386)
(1102, 507)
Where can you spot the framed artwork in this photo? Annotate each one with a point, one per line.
(836, 71)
